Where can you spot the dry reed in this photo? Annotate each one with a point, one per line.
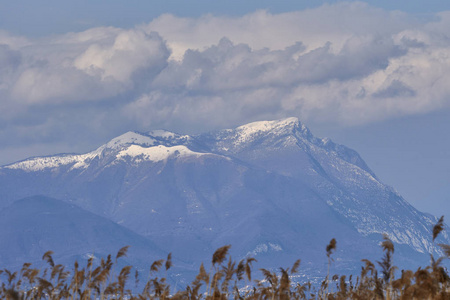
(228, 279)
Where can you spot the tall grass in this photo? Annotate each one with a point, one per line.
(227, 279)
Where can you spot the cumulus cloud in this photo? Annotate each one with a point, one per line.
(92, 65)
(130, 52)
(261, 29)
(343, 64)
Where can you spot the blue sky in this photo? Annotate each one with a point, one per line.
(371, 75)
(36, 18)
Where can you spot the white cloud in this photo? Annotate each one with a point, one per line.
(343, 64)
(261, 29)
(347, 63)
(91, 65)
(131, 51)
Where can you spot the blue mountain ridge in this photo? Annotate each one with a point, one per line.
(270, 189)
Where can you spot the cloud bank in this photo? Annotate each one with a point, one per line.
(344, 64)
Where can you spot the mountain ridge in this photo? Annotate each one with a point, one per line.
(170, 139)
(263, 187)
(37, 215)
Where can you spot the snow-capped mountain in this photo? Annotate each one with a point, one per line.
(270, 189)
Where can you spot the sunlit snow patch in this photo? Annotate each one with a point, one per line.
(157, 153)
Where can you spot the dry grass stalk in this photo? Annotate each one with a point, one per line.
(229, 280)
(438, 227)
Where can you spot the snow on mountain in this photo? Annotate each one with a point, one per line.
(41, 163)
(131, 144)
(157, 153)
(269, 188)
(275, 135)
(336, 172)
(250, 132)
(129, 138)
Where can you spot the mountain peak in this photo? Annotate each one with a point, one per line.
(130, 138)
(265, 126)
(251, 131)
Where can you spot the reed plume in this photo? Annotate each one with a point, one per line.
(228, 279)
